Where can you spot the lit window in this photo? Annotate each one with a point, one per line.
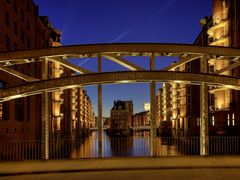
(213, 121)
(198, 121)
(233, 119)
(228, 119)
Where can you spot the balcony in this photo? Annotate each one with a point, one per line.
(223, 39)
(222, 23)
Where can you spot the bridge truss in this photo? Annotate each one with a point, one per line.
(136, 73)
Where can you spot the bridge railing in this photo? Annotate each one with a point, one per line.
(116, 147)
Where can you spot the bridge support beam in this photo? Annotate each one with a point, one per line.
(45, 115)
(204, 136)
(100, 110)
(153, 109)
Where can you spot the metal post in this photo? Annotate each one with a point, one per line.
(175, 107)
(45, 115)
(153, 109)
(204, 137)
(99, 110)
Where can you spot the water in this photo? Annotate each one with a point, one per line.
(137, 145)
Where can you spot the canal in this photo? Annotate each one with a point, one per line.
(134, 146)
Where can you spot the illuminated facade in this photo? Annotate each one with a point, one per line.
(22, 28)
(141, 119)
(225, 103)
(222, 29)
(121, 118)
(164, 106)
(83, 117)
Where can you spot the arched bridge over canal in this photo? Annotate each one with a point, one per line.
(118, 53)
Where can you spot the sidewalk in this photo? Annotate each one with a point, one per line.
(113, 164)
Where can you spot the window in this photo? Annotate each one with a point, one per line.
(28, 108)
(15, 7)
(7, 19)
(211, 68)
(19, 110)
(228, 119)
(15, 46)
(5, 111)
(1, 106)
(22, 35)
(198, 121)
(1, 111)
(213, 121)
(189, 108)
(1, 84)
(28, 6)
(189, 99)
(28, 24)
(188, 67)
(233, 119)
(22, 16)
(15, 27)
(189, 123)
(28, 42)
(189, 89)
(7, 42)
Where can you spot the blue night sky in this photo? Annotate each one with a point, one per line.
(125, 21)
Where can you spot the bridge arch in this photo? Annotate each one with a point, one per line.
(118, 77)
(124, 48)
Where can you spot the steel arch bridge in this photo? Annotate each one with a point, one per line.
(117, 54)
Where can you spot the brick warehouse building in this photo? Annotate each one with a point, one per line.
(222, 29)
(22, 28)
(121, 116)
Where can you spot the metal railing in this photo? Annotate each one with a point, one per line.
(116, 147)
(20, 150)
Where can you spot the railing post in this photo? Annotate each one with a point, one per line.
(153, 108)
(204, 136)
(45, 115)
(99, 109)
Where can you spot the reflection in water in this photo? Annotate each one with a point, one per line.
(136, 145)
(121, 147)
(87, 148)
(166, 147)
